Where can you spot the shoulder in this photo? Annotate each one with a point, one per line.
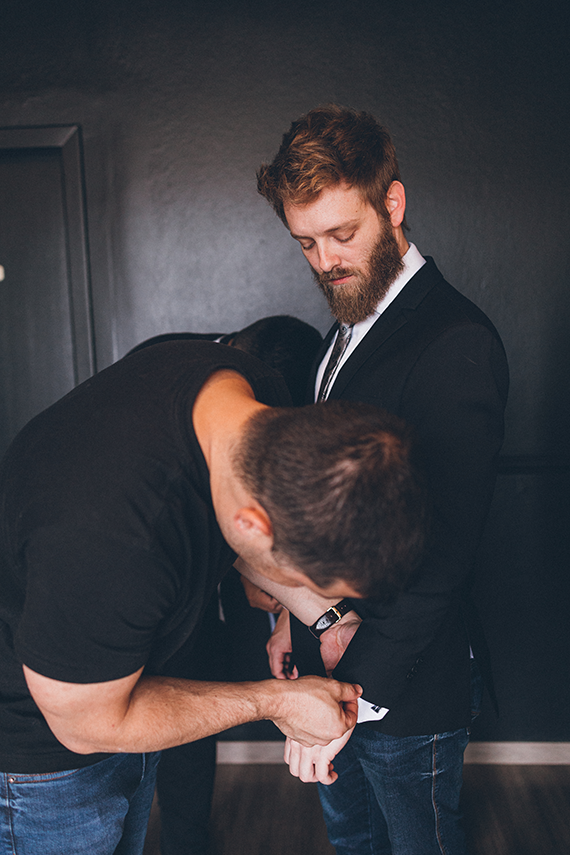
(440, 304)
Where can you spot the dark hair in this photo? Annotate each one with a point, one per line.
(342, 491)
(286, 344)
(326, 146)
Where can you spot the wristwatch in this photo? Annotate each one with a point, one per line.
(330, 617)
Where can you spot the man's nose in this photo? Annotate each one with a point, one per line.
(328, 258)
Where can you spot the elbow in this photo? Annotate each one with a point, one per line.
(79, 743)
(79, 747)
(80, 739)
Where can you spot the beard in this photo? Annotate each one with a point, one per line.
(356, 300)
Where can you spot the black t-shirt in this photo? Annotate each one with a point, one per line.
(109, 547)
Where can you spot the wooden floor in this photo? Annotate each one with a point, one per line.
(508, 810)
(517, 810)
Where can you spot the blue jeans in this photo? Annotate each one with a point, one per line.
(99, 810)
(398, 795)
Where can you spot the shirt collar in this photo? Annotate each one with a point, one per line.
(412, 261)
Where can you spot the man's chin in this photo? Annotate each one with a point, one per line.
(349, 320)
(350, 308)
(352, 301)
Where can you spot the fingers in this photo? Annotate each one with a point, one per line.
(349, 691)
(300, 762)
(350, 710)
(315, 711)
(292, 671)
(279, 649)
(323, 770)
(275, 659)
(278, 659)
(310, 765)
(350, 713)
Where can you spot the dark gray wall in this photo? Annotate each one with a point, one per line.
(179, 102)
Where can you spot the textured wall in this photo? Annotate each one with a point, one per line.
(179, 102)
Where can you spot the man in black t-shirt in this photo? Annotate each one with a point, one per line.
(234, 647)
(123, 506)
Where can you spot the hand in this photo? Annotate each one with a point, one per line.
(258, 599)
(314, 764)
(279, 649)
(336, 639)
(314, 710)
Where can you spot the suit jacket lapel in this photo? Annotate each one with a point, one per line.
(396, 315)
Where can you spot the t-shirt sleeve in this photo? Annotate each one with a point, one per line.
(92, 607)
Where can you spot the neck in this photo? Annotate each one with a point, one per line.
(222, 409)
(403, 245)
(223, 406)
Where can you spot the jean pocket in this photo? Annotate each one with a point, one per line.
(39, 777)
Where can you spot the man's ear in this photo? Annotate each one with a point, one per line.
(396, 203)
(253, 521)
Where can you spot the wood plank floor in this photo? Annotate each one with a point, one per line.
(517, 810)
(508, 810)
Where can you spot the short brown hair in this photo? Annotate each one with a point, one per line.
(340, 485)
(324, 147)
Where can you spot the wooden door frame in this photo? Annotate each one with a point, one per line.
(67, 140)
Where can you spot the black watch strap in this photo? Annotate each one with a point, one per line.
(330, 617)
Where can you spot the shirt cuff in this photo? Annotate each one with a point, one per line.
(369, 712)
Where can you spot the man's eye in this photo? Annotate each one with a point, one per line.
(346, 240)
(307, 246)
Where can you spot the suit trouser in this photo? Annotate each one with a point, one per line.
(234, 650)
(185, 786)
(398, 795)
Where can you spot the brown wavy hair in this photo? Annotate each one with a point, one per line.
(324, 147)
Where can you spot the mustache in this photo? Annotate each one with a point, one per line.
(335, 273)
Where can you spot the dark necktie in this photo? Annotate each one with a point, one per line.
(341, 343)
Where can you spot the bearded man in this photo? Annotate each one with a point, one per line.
(408, 342)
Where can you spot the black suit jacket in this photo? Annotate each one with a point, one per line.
(434, 359)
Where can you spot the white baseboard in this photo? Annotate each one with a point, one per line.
(508, 753)
(250, 752)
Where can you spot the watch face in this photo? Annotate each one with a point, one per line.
(325, 621)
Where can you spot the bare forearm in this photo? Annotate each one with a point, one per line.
(150, 714)
(137, 714)
(167, 712)
(163, 712)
